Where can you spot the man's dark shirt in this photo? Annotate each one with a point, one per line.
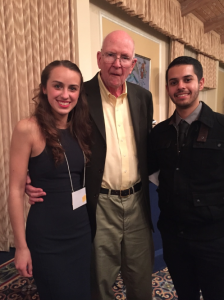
(191, 182)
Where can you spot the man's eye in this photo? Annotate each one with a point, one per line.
(172, 82)
(125, 57)
(187, 79)
(110, 54)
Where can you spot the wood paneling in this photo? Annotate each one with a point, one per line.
(210, 12)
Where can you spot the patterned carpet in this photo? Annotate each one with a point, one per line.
(12, 286)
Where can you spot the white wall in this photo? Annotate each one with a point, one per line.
(82, 38)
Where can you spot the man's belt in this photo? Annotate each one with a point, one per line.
(123, 193)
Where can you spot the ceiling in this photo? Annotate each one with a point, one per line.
(210, 12)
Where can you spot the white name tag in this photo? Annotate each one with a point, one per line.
(78, 198)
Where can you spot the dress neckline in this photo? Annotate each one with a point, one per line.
(62, 129)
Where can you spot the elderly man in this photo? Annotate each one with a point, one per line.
(117, 177)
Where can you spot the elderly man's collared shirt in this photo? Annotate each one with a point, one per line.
(121, 165)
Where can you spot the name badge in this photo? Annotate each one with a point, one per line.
(78, 198)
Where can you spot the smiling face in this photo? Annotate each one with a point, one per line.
(183, 87)
(113, 74)
(62, 90)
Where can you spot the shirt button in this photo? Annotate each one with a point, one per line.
(177, 169)
(181, 232)
(202, 137)
(219, 145)
(198, 200)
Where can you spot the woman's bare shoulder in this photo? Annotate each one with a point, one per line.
(27, 126)
(28, 133)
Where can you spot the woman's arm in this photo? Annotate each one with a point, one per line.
(21, 147)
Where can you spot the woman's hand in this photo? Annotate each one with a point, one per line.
(23, 262)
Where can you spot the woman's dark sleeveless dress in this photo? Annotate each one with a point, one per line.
(59, 237)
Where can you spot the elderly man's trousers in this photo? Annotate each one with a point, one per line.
(123, 242)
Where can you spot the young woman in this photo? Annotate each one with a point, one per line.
(53, 145)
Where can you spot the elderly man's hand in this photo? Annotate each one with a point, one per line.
(34, 194)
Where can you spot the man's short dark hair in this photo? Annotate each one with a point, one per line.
(187, 60)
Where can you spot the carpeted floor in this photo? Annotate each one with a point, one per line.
(12, 286)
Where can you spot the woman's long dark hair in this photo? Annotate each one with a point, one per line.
(78, 118)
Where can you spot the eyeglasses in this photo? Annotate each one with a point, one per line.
(110, 58)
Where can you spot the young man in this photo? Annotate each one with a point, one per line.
(188, 149)
(117, 177)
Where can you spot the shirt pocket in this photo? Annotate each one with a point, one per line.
(208, 155)
(166, 152)
(213, 202)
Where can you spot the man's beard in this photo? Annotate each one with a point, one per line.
(184, 105)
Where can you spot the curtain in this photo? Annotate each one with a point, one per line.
(176, 49)
(221, 50)
(209, 70)
(165, 16)
(32, 34)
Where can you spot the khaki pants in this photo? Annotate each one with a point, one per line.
(123, 242)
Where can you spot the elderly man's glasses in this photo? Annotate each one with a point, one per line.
(110, 58)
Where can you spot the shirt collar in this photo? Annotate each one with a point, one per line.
(191, 118)
(109, 95)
